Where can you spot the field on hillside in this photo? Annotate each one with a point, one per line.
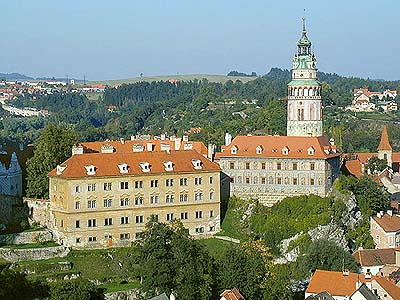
(211, 78)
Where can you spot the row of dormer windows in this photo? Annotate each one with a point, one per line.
(140, 200)
(139, 184)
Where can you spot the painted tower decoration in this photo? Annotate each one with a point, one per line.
(304, 92)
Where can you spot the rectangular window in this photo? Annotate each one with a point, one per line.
(312, 166)
(77, 189)
(170, 217)
(61, 223)
(77, 205)
(248, 180)
(184, 216)
(169, 199)
(198, 196)
(107, 186)
(199, 230)
(155, 217)
(139, 200)
(124, 220)
(199, 214)
(77, 224)
(294, 166)
(279, 166)
(211, 213)
(91, 204)
(198, 181)
(91, 187)
(124, 185)
(312, 181)
(169, 182)
(92, 223)
(108, 221)
(78, 240)
(155, 199)
(154, 183)
(294, 181)
(92, 239)
(107, 202)
(231, 165)
(138, 184)
(139, 219)
(124, 236)
(263, 180)
(212, 228)
(183, 197)
(263, 166)
(211, 180)
(279, 180)
(125, 201)
(247, 166)
(211, 195)
(183, 181)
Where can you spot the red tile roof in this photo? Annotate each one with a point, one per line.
(375, 257)
(335, 283)
(232, 294)
(392, 289)
(388, 223)
(384, 143)
(106, 164)
(127, 145)
(272, 147)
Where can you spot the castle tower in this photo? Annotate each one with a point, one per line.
(384, 148)
(304, 116)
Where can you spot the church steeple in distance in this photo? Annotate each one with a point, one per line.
(304, 92)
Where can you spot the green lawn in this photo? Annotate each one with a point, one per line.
(216, 247)
(210, 78)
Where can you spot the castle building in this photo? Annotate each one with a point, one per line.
(269, 168)
(104, 199)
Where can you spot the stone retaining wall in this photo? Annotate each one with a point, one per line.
(16, 255)
(31, 237)
(122, 295)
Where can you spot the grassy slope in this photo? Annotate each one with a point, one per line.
(211, 78)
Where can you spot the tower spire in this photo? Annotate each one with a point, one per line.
(384, 144)
(304, 21)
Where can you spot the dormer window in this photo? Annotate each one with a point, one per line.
(311, 151)
(107, 148)
(285, 150)
(90, 170)
(259, 150)
(60, 169)
(145, 166)
(196, 164)
(274, 150)
(169, 166)
(234, 150)
(123, 168)
(138, 148)
(188, 146)
(165, 147)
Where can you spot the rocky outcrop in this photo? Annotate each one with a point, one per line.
(16, 255)
(122, 295)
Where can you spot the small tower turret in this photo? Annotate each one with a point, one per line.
(384, 148)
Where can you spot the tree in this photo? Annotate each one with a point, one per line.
(376, 165)
(326, 255)
(171, 261)
(52, 148)
(77, 289)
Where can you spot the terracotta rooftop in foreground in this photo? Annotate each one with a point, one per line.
(232, 294)
(375, 257)
(108, 164)
(279, 146)
(388, 223)
(392, 289)
(335, 283)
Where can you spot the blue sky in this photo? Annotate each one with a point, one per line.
(121, 39)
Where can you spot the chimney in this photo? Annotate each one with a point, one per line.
(228, 139)
(149, 147)
(382, 213)
(211, 152)
(178, 143)
(185, 138)
(368, 275)
(346, 272)
(133, 137)
(378, 215)
(122, 140)
(332, 142)
(389, 212)
(163, 136)
(77, 149)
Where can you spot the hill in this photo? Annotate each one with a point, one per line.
(14, 76)
(209, 77)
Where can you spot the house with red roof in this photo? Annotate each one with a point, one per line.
(373, 260)
(385, 230)
(232, 294)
